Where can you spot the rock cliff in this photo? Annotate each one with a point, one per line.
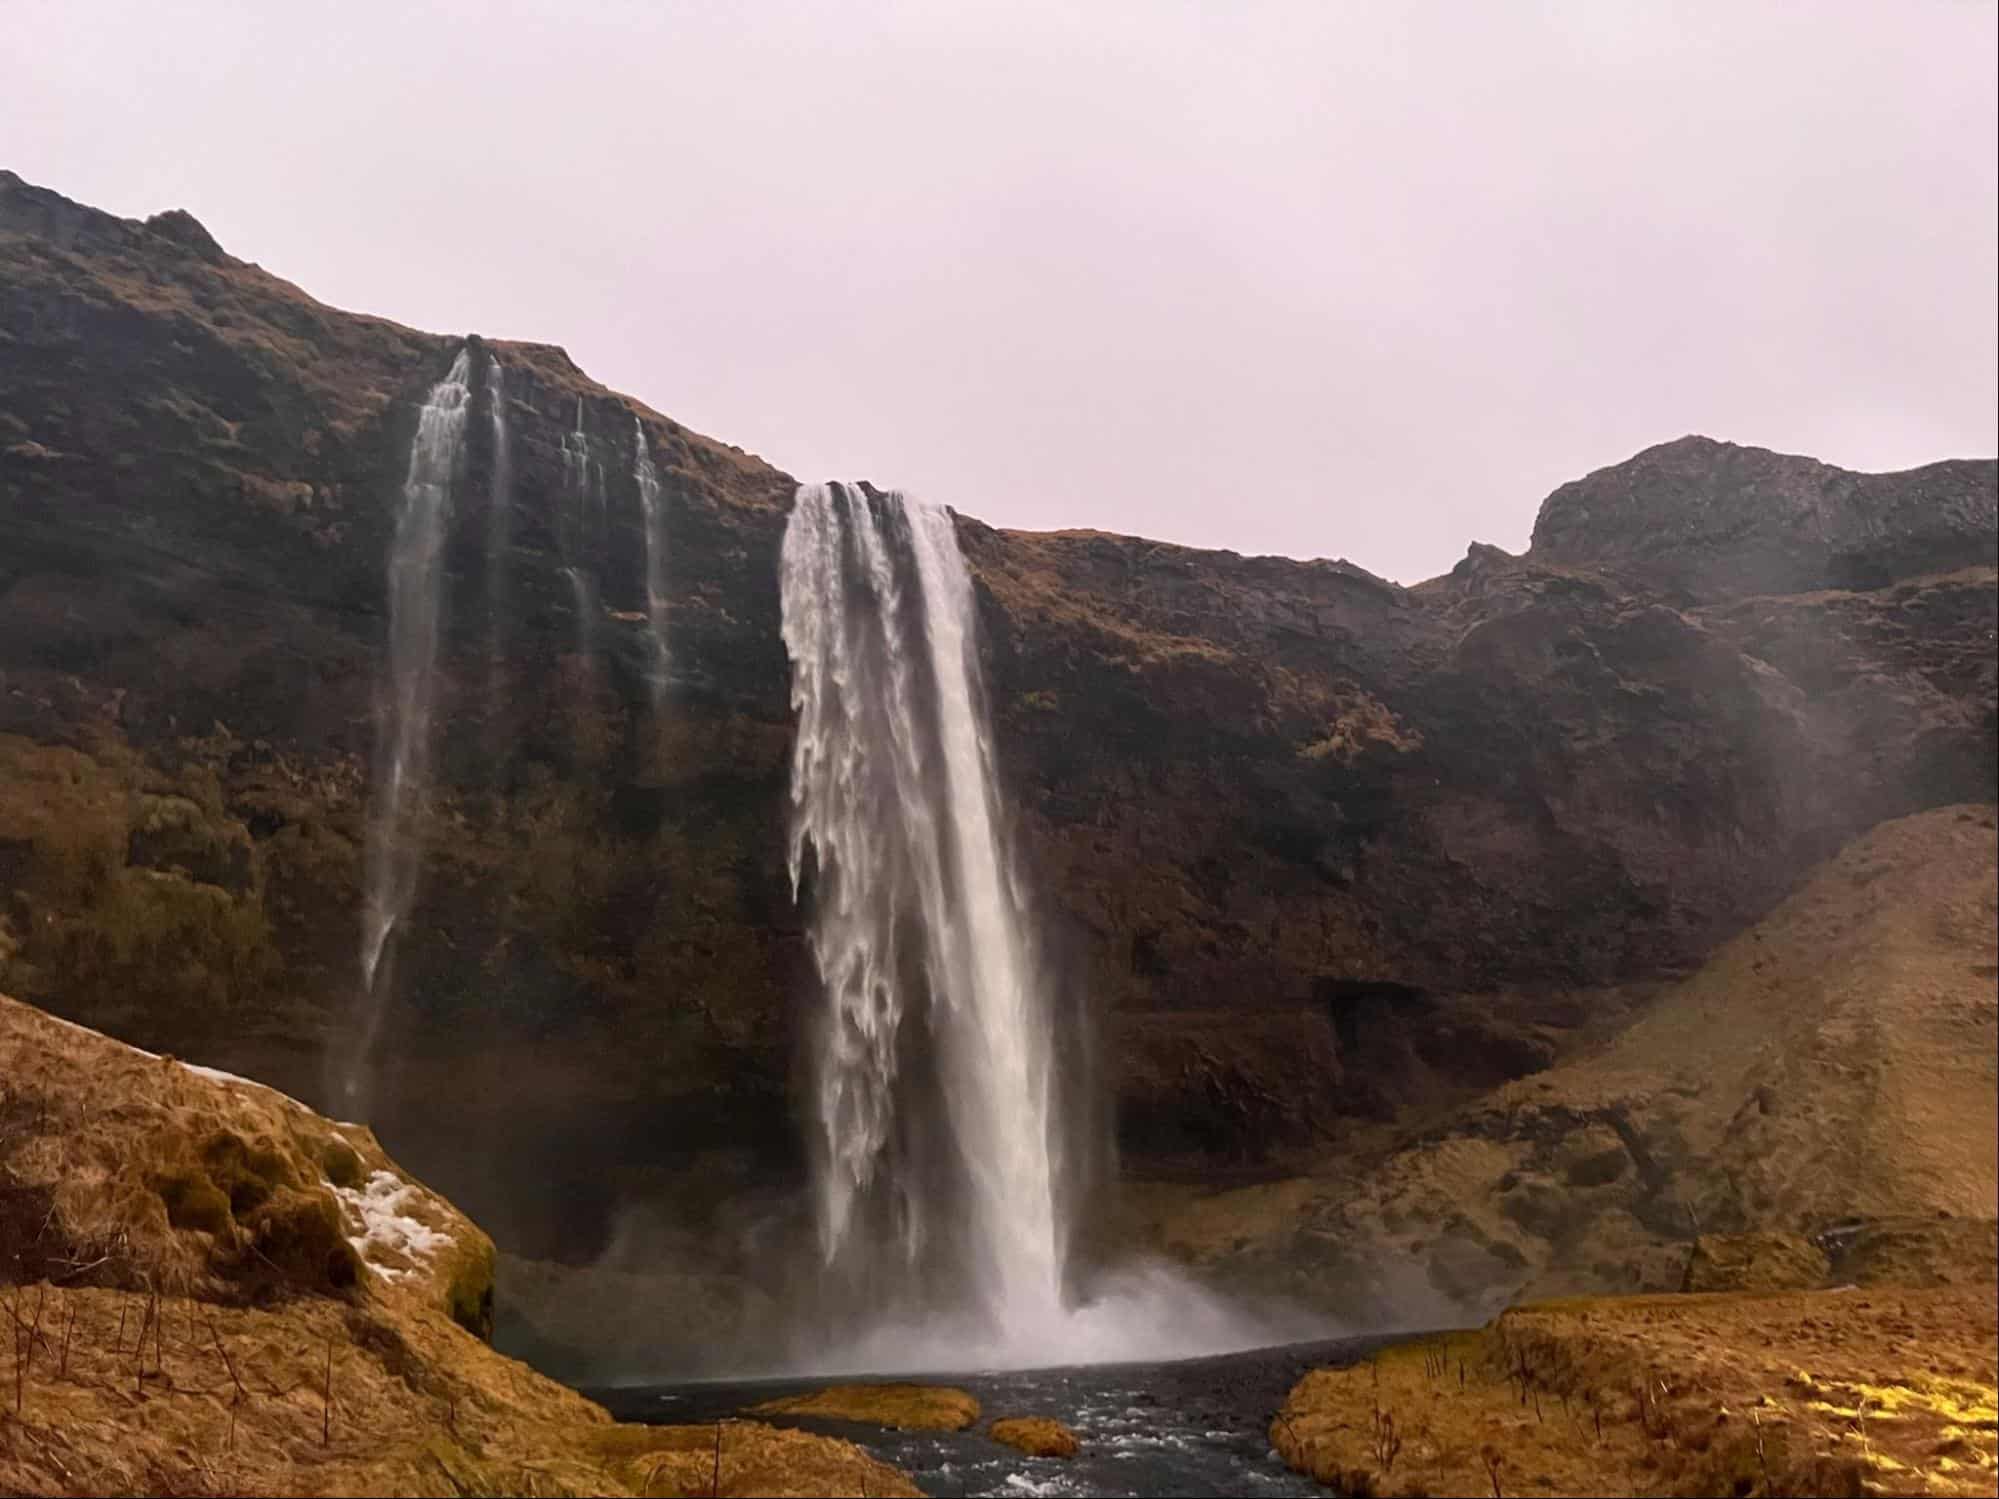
(1316, 849)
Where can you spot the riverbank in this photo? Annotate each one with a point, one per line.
(1848, 1391)
(1187, 1427)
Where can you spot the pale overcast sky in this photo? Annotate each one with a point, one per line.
(1360, 280)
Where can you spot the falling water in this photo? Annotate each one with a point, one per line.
(575, 536)
(499, 526)
(576, 457)
(402, 747)
(647, 478)
(583, 603)
(583, 477)
(917, 931)
(939, 1176)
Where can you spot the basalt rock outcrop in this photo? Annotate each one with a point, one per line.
(1322, 850)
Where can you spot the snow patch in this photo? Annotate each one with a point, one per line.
(381, 1209)
(217, 1075)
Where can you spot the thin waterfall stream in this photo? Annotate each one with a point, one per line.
(653, 514)
(402, 744)
(499, 527)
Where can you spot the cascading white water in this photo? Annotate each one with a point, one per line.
(653, 513)
(916, 920)
(583, 603)
(499, 525)
(940, 1185)
(574, 532)
(402, 745)
(576, 458)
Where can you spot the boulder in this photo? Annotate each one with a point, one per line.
(1037, 1436)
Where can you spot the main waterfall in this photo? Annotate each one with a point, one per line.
(942, 1173)
(933, 1087)
(402, 740)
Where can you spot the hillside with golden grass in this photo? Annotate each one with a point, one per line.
(206, 1288)
(1824, 1392)
(1817, 1103)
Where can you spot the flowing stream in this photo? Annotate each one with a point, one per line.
(1187, 1427)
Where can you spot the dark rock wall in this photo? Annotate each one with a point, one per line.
(1308, 846)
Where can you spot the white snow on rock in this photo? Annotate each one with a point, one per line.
(380, 1208)
(217, 1075)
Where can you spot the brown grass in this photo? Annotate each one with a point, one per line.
(1836, 1065)
(1808, 1393)
(188, 1305)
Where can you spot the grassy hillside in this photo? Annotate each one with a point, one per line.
(206, 1288)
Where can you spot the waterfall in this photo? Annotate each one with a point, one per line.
(583, 602)
(402, 744)
(575, 537)
(933, 1087)
(647, 478)
(576, 458)
(499, 527)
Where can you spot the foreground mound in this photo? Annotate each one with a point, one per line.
(1807, 1393)
(208, 1288)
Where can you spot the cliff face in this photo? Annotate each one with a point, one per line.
(1318, 847)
